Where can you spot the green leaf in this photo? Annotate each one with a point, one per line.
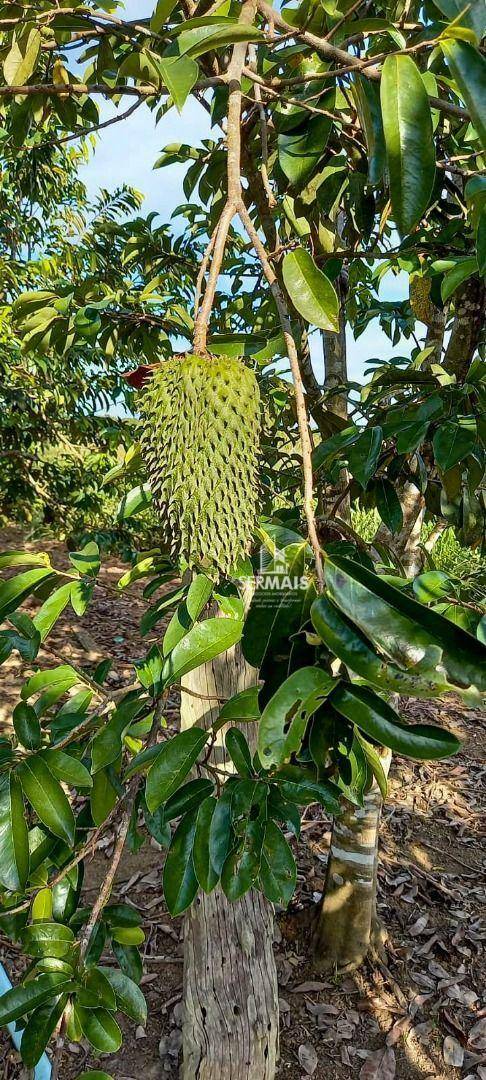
(204, 870)
(196, 39)
(107, 744)
(23, 999)
(26, 726)
(47, 938)
(352, 647)
(172, 764)
(376, 718)
(364, 453)
(137, 500)
(21, 59)
(161, 14)
(63, 675)
(471, 15)
(220, 828)
(68, 769)
(468, 69)
(239, 751)
(100, 1028)
(39, 1029)
(179, 878)
(96, 991)
(249, 812)
(374, 762)
(310, 290)
(388, 505)
(464, 269)
(241, 708)
(23, 558)
(367, 99)
(187, 797)
(128, 935)
(14, 840)
(16, 589)
(432, 585)
(51, 609)
(299, 152)
(299, 785)
(179, 74)
(410, 634)
(94, 1074)
(407, 124)
(202, 643)
(278, 606)
(103, 797)
(86, 561)
(129, 997)
(187, 612)
(278, 872)
(284, 719)
(47, 798)
(453, 441)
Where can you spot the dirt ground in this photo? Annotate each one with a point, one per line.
(420, 1014)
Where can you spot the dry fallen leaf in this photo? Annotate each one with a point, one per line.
(308, 1058)
(379, 1066)
(453, 1052)
(477, 1035)
(309, 987)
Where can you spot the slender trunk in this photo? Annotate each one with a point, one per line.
(230, 1027)
(335, 375)
(467, 328)
(347, 924)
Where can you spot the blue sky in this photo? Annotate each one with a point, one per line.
(125, 153)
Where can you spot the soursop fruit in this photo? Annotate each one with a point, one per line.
(200, 440)
(420, 300)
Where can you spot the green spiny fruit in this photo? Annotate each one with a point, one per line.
(420, 300)
(200, 437)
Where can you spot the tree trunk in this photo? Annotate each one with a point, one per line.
(230, 1027)
(347, 925)
(467, 328)
(335, 375)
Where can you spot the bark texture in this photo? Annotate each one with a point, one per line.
(467, 328)
(347, 918)
(230, 1027)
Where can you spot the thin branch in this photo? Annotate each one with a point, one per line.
(302, 418)
(347, 60)
(104, 894)
(84, 132)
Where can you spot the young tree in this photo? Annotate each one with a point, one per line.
(321, 116)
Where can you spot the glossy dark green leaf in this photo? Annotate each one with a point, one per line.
(220, 828)
(347, 642)
(300, 786)
(364, 453)
(202, 643)
(23, 999)
(188, 797)
(129, 960)
(310, 291)
(239, 751)
(172, 764)
(203, 868)
(100, 1028)
(48, 614)
(299, 152)
(180, 881)
(16, 589)
(278, 871)
(129, 997)
(277, 609)
(285, 717)
(240, 708)
(407, 125)
(432, 585)
(68, 769)
(376, 717)
(453, 441)
(407, 632)
(39, 1029)
(14, 840)
(47, 798)
(375, 763)
(26, 726)
(242, 865)
(47, 938)
(103, 796)
(388, 505)
(468, 69)
(367, 99)
(187, 612)
(96, 991)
